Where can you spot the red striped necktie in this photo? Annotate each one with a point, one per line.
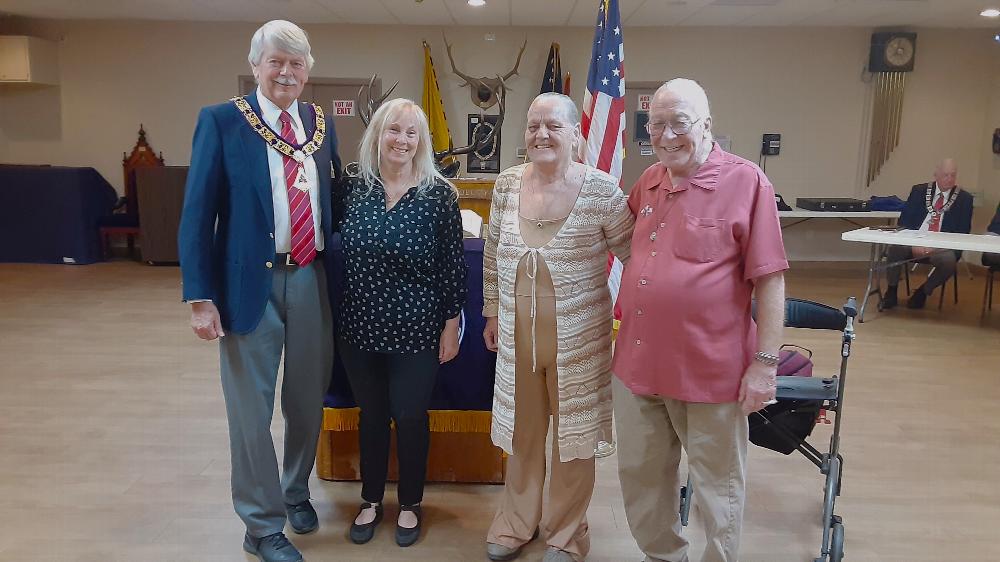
(299, 205)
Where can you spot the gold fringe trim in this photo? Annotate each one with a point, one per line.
(441, 421)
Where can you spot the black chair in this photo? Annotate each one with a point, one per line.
(954, 279)
(992, 264)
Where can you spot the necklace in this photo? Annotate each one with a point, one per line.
(274, 140)
(948, 202)
(483, 123)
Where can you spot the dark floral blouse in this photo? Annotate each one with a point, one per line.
(404, 269)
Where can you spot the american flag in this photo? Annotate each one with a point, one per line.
(604, 101)
(603, 120)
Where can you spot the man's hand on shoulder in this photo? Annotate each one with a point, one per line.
(205, 320)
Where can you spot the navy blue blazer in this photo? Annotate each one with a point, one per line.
(226, 235)
(957, 219)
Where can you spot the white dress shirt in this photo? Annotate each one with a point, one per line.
(927, 220)
(279, 191)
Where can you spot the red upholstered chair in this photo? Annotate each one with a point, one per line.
(125, 219)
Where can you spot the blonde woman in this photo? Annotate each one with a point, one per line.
(405, 285)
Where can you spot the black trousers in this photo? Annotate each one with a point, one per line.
(398, 387)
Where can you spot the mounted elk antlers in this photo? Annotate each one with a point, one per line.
(478, 143)
(367, 109)
(484, 90)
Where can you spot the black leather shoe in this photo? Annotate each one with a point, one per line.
(272, 548)
(302, 517)
(890, 300)
(360, 534)
(404, 536)
(918, 299)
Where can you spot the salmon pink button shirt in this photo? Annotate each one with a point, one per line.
(698, 246)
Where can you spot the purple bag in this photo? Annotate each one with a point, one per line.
(791, 363)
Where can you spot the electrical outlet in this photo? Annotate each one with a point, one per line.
(521, 152)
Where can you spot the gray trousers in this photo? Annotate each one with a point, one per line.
(296, 319)
(944, 263)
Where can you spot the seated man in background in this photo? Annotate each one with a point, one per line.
(993, 260)
(938, 206)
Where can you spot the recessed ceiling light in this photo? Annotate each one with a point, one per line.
(990, 13)
(477, 3)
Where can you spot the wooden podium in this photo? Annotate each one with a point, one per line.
(460, 449)
(160, 193)
(475, 194)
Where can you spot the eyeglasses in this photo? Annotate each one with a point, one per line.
(677, 127)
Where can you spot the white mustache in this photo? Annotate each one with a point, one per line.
(287, 81)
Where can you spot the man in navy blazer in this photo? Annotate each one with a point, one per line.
(939, 206)
(255, 222)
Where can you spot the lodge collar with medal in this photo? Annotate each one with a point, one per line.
(948, 202)
(274, 140)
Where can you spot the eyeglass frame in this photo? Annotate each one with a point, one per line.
(665, 126)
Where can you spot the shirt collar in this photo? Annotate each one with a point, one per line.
(705, 177)
(271, 113)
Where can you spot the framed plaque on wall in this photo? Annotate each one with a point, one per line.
(487, 158)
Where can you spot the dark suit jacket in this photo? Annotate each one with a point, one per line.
(226, 235)
(957, 219)
(994, 226)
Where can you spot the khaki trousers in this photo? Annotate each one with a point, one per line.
(651, 433)
(536, 395)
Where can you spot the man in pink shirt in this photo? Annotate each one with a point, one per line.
(689, 360)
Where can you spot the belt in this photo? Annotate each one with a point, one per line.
(286, 260)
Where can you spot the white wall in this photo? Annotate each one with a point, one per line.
(803, 83)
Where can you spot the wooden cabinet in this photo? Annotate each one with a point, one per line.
(160, 194)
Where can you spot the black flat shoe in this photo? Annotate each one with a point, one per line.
(360, 534)
(406, 537)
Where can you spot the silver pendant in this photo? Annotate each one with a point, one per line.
(646, 211)
(299, 156)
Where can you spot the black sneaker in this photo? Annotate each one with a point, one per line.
(302, 517)
(272, 548)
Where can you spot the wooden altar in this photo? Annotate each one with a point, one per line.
(475, 194)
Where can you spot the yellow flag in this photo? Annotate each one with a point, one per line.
(433, 106)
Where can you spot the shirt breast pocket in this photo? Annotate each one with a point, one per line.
(700, 239)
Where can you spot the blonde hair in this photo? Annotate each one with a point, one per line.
(370, 147)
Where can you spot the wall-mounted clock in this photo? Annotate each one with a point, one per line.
(892, 51)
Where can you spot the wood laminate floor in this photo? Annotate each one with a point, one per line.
(113, 443)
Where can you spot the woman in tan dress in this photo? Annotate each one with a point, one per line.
(549, 318)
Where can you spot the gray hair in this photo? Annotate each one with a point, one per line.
(370, 147)
(690, 91)
(567, 103)
(282, 35)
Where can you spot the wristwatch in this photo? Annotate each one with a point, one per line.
(766, 358)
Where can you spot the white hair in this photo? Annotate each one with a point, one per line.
(282, 35)
(691, 92)
(370, 147)
(567, 103)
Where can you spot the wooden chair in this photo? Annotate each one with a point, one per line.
(125, 219)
